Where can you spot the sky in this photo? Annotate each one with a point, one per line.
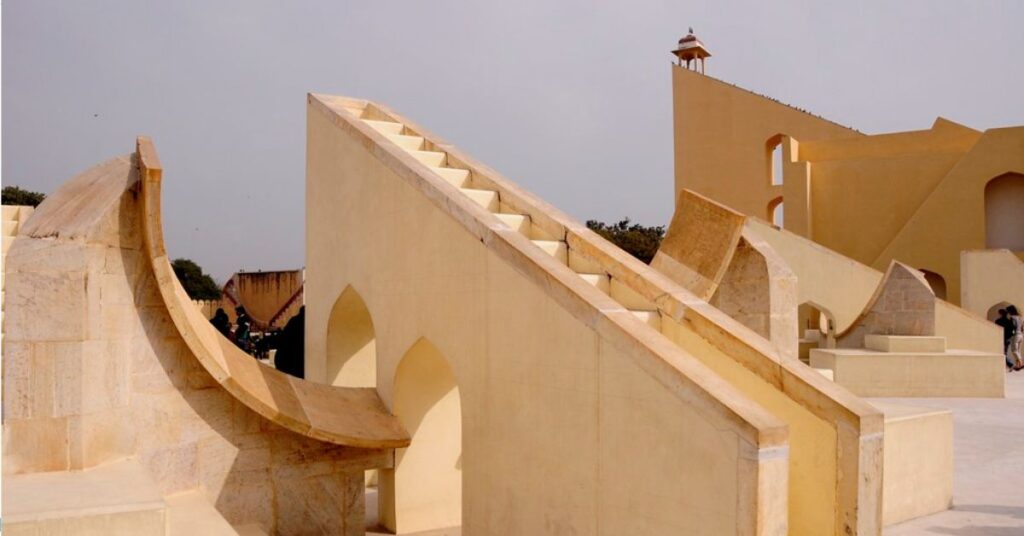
(569, 99)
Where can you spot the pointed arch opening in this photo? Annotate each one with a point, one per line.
(775, 158)
(424, 490)
(1004, 212)
(775, 213)
(937, 282)
(351, 343)
(993, 312)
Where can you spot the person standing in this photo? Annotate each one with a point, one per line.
(221, 322)
(1004, 322)
(1017, 340)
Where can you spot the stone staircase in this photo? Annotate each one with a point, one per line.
(461, 178)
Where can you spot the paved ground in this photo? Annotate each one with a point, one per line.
(988, 457)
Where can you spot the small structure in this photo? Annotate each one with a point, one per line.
(691, 49)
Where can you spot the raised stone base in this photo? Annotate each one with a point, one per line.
(917, 468)
(955, 373)
(116, 498)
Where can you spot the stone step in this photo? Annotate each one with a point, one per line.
(555, 248)
(430, 158)
(905, 343)
(385, 127)
(191, 513)
(651, 318)
(601, 281)
(517, 222)
(628, 297)
(458, 178)
(114, 498)
(485, 198)
(409, 143)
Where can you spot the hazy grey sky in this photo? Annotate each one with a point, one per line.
(569, 99)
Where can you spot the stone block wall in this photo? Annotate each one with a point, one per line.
(95, 370)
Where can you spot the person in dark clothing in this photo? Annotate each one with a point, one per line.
(1004, 322)
(221, 322)
(243, 326)
(291, 347)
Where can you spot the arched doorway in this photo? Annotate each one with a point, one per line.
(937, 282)
(351, 343)
(1004, 212)
(776, 213)
(993, 312)
(773, 153)
(424, 490)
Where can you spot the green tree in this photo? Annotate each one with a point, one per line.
(12, 195)
(198, 285)
(637, 240)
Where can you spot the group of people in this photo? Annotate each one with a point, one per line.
(1013, 337)
(289, 342)
(241, 335)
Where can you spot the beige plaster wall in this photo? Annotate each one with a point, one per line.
(95, 370)
(990, 277)
(818, 269)
(915, 197)
(559, 389)
(721, 133)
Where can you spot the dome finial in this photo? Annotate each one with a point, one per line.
(691, 50)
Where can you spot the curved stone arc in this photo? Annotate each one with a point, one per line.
(354, 417)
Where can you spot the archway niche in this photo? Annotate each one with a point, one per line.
(351, 343)
(424, 490)
(776, 213)
(937, 282)
(993, 312)
(773, 153)
(1004, 212)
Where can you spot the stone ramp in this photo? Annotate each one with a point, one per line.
(353, 417)
(836, 434)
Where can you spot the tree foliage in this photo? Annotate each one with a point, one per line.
(637, 240)
(13, 195)
(198, 285)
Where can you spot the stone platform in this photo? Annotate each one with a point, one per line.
(912, 367)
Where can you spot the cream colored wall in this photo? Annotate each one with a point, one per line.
(351, 345)
(915, 197)
(426, 483)
(95, 370)
(555, 395)
(813, 441)
(990, 277)
(932, 238)
(830, 281)
(721, 133)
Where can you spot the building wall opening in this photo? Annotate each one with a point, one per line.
(351, 343)
(424, 490)
(1004, 212)
(937, 282)
(775, 159)
(776, 212)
